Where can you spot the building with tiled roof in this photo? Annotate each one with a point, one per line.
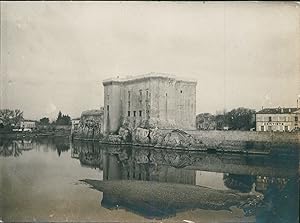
(278, 119)
(277, 110)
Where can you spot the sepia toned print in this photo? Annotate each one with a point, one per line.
(149, 111)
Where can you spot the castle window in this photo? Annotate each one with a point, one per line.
(134, 113)
(147, 94)
(128, 113)
(270, 118)
(107, 108)
(140, 113)
(128, 100)
(296, 118)
(141, 96)
(180, 91)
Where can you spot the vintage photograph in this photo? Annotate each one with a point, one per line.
(149, 111)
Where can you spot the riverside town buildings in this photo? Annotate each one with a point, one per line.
(161, 99)
(278, 119)
(28, 124)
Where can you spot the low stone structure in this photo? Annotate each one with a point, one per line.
(90, 125)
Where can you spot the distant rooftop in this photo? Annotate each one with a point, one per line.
(277, 110)
(28, 120)
(149, 75)
(92, 112)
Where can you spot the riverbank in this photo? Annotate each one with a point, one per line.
(209, 141)
(28, 135)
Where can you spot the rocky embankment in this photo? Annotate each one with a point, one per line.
(244, 142)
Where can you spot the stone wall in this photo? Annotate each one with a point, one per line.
(276, 137)
(90, 125)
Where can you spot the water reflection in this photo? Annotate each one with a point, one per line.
(15, 147)
(281, 202)
(151, 183)
(275, 177)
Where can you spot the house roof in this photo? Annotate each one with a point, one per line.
(28, 120)
(92, 112)
(277, 110)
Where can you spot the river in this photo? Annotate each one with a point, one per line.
(52, 179)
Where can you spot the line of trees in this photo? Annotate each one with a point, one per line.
(60, 120)
(236, 119)
(12, 118)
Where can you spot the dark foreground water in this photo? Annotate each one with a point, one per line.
(43, 180)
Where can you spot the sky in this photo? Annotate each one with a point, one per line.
(55, 55)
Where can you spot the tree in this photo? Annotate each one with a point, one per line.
(241, 119)
(205, 121)
(63, 119)
(44, 121)
(11, 117)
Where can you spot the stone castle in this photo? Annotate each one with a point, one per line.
(150, 100)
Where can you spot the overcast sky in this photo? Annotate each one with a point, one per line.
(54, 55)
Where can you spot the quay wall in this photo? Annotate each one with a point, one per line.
(206, 140)
(242, 136)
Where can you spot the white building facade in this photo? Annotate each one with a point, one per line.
(28, 124)
(278, 119)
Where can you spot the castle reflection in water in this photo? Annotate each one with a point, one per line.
(239, 172)
(275, 176)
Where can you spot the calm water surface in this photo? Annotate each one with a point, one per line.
(40, 180)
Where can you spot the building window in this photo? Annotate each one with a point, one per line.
(107, 108)
(296, 118)
(147, 95)
(141, 96)
(140, 113)
(166, 94)
(269, 128)
(128, 113)
(262, 128)
(134, 113)
(270, 118)
(128, 100)
(180, 91)
(286, 128)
